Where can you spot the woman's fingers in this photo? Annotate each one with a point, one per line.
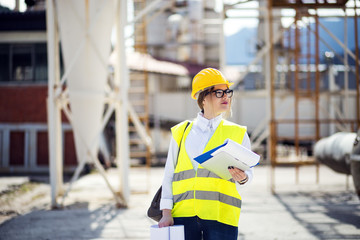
(236, 173)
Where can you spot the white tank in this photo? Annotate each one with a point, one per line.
(85, 33)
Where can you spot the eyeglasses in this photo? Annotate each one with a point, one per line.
(220, 93)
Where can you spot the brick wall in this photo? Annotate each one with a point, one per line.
(27, 104)
(23, 104)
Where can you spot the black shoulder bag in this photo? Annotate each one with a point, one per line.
(154, 211)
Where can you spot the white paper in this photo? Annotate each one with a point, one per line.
(167, 233)
(177, 232)
(220, 162)
(157, 233)
(230, 154)
(239, 152)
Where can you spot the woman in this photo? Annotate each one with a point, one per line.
(207, 206)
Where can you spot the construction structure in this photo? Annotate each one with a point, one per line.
(300, 109)
(139, 90)
(304, 80)
(82, 92)
(179, 38)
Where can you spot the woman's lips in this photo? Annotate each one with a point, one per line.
(224, 103)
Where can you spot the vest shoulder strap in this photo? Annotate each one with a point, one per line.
(178, 130)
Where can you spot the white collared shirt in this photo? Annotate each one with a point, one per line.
(199, 135)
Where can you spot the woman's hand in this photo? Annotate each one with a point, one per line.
(238, 174)
(167, 219)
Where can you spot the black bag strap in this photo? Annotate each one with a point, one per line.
(154, 211)
(177, 158)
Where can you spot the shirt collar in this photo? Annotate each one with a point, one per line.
(207, 124)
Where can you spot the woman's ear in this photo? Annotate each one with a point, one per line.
(203, 103)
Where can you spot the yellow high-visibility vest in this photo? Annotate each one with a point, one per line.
(202, 193)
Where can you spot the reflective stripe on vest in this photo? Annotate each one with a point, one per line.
(206, 195)
(191, 174)
(202, 193)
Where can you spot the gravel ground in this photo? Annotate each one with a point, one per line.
(303, 211)
(21, 197)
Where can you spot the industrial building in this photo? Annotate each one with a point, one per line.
(296, 75)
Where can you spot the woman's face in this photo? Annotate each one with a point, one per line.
(213, 106)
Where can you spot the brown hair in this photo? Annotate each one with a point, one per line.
(202, 96)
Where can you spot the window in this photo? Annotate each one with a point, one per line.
(23, 63)
(4, 63)
(41, 73)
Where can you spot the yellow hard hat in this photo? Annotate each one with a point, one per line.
(206, 78)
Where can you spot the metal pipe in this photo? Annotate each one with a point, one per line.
(346, 71)
(222, 61)
(335, 150)
(355, 163)
(357, 65)
(308, 59)
(271, 143)
(53, 109)
(296, 82)
(121, 109)
(317, 78)
(332, 100)
(140, 128)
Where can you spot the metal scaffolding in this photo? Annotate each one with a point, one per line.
(301, 78)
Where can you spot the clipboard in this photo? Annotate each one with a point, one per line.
(218, 159)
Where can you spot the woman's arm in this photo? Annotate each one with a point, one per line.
(166, 202)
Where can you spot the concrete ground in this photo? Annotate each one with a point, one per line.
(328, 210)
